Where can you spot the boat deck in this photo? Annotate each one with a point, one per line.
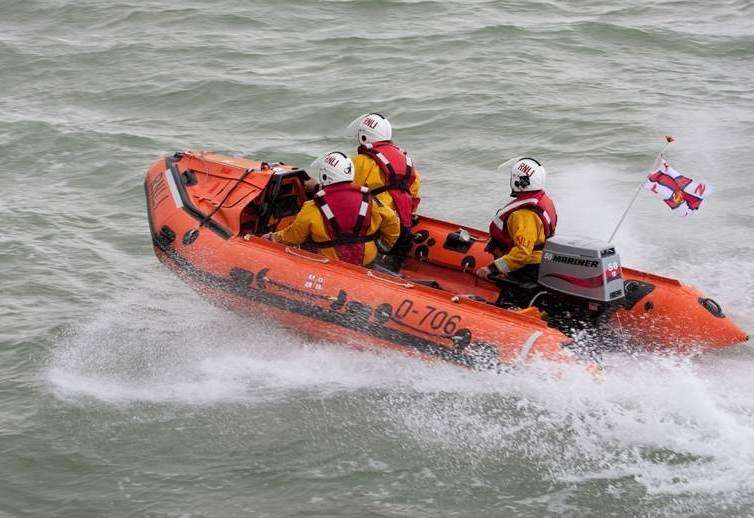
(450, 280)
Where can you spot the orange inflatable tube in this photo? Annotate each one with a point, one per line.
(206, 213)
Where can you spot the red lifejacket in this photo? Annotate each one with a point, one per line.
(539, 203)
(398, 171)
(347, 213)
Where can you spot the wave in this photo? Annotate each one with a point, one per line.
(670, 425)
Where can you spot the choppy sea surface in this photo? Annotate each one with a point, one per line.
(122, 393)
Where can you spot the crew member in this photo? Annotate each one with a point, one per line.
(519, 230)
(343, 220)
(389, 174)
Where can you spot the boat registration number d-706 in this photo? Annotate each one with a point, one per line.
(428, 317)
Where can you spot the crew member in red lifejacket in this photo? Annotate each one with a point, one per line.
(343, 220)
(519, 230)
(389, 174)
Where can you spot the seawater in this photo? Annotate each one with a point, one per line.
(122, 393)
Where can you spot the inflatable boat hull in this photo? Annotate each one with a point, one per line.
(206, 213)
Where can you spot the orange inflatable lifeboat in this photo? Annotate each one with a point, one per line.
(207, 211)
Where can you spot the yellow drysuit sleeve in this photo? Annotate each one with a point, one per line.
(385, 220)
(527, 231)
(310, 224)
(300, 230)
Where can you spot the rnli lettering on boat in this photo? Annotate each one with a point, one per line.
(571, 260)
(157, 191)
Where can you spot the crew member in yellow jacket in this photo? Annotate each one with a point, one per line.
(369, 175)
(343, 220)
(519, 230)
(389, 174)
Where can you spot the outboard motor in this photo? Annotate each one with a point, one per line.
(585, 268)
(579, 284)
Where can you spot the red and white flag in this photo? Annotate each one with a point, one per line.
(682, 194)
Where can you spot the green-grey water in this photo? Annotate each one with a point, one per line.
(122, 393)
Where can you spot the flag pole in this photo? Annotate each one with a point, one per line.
(668, 140)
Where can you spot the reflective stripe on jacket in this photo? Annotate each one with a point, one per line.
(345, 208)
(310, 225)
(397, 177)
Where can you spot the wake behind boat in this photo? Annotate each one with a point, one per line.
(207, 214)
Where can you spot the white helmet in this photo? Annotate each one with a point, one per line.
(369, 128)
(333, 168)
(527, 175)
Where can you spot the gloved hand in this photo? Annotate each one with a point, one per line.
(311, 185)
(270, 236)
(483, 272)
(381, 248)
(486, 271)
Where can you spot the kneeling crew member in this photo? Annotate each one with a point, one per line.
(519, 230)
(343, 221)
(389, 174)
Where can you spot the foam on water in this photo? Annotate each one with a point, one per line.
(675, 425)
(92, 92)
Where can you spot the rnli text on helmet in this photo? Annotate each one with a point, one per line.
(525, 168)
(332, 160)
